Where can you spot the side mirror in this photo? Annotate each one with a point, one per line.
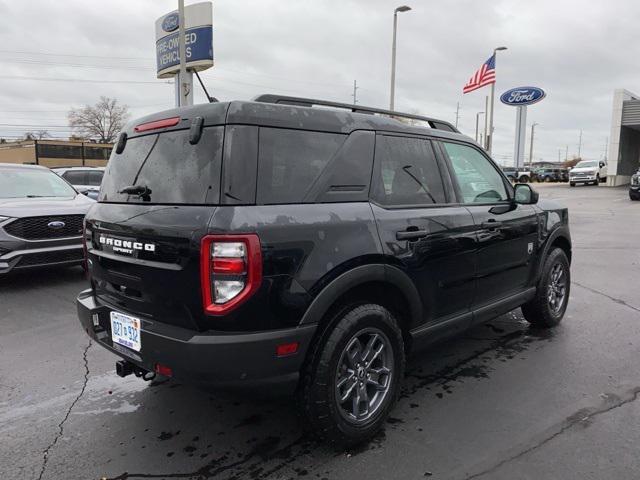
(83, 191)
(525, 195)
(602, 164)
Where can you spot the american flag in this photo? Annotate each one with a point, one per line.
(485, 75)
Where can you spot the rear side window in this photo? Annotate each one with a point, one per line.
(94, 178)
(290, 161)
(76, 177)
(407, 171)
(171, 169)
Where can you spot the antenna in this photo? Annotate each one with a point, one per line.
(209, 98)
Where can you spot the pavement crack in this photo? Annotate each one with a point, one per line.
(613, 299)
(45, 453)
(582, 416)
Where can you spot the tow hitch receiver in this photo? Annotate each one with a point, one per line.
(124, 368)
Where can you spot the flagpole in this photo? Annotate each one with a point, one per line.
(493, 90)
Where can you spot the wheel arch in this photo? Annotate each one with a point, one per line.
(382, 284)
(560, 238)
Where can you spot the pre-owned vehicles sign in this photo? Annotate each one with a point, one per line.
(198, 40)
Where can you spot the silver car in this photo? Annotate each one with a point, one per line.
(41, 218)
(86, 180)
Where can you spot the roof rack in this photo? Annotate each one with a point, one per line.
(310, 102)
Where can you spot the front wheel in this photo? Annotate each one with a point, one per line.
(547, 308)
(524, 179)
(353, 376)
(572, 184)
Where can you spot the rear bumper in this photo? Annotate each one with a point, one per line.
(211, 358)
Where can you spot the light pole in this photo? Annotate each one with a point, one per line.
(403, 8)
(533, 129)
(489, 137)
(477, 123)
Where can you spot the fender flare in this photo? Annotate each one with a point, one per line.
(562, 231)
(359, 276)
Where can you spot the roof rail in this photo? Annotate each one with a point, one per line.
(310, 102)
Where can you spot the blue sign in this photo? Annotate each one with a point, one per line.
(521, 96)
(198, 48)
(171, 22)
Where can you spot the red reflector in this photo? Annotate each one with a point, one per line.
(163, 370)
(287, 349)
(230, 266)
(165, 122)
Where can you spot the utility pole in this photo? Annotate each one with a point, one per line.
(580, 145)
(486, 121)
(606, 148)
(457, 113)
(566, 153)
(559, 150)
(533, 129)
(355, 87)
(478, 123)
(183, 79)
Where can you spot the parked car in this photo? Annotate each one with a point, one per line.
(273, 244)
(41, 219)
(515, 175)
(563, 174)
(588, 172)
(547, 175)
(634, 186)
(86, 180)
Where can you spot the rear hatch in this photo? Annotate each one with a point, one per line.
(144, 243)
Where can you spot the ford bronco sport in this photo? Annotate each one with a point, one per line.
(273, 243)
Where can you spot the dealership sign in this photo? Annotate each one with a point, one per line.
(522, 96)
(198, 40)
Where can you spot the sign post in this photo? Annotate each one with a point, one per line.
(521, 97)
(184, 44)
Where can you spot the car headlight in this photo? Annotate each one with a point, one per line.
(2, 219)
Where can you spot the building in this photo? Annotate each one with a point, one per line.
(56, 153)
(624, 144)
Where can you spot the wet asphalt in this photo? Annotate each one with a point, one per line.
(501, 401)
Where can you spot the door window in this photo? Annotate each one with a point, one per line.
(408, 172)
(478, 179)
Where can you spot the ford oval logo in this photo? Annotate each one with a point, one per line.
(522, 96)
(171, 22)
(56, 225)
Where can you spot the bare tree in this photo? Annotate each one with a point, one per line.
(100, 122)
(36, 135)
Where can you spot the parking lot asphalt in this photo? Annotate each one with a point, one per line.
(501, 401)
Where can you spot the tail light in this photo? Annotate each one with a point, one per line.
(230, 269)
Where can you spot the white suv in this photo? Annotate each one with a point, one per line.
(588, 171)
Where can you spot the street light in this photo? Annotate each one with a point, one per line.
(477, 120)
(533, 129)
(403, 8)
(493, 88)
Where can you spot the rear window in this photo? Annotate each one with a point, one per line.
(171, 169)
(290, 161)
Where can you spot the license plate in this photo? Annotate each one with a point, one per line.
(125, 330)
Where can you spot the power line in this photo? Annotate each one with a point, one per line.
(81, 80)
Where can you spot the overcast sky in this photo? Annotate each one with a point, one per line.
(56, 55)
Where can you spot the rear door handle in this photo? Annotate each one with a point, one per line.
(491, 224)
(411, 234)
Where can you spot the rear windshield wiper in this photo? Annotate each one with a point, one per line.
(140, 190)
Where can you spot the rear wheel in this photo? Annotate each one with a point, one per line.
(524, 179)
(353, 376)
(552, 296)
(634, 195)
(572, 184)
(547, 179)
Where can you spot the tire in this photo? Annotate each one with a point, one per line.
(547, 179)
(329, 366)
(524, 179)
(572, 184)
(634, 196)
(540, 312)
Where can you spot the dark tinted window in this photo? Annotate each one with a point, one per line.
(76, 177)
(94, 178)
(167, 164)
(290, 161)
(407, 171)
(477, 177)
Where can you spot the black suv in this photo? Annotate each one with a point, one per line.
(275, 244)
